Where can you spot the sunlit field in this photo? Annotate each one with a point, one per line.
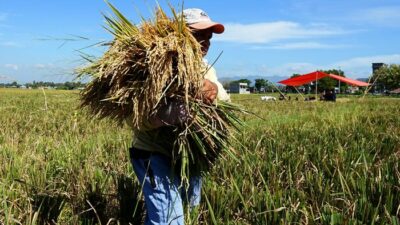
(300, 163)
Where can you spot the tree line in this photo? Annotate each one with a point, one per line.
(38, 84)
(386, 79)
(263, 85)
(260, 85)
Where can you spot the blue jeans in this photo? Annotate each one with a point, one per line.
(162, 189)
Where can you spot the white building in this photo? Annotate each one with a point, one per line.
(240, 88)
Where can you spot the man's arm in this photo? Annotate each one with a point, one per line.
(209, 91)
(212, 76)
(175, 113)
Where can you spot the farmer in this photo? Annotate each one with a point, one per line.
(150, 152)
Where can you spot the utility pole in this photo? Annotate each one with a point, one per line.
(339, 80)
(316, 86)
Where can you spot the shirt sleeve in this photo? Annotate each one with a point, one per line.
(211, 75)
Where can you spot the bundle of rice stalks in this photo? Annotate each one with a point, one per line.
(145, 67)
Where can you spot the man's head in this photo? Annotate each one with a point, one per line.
(202, 27)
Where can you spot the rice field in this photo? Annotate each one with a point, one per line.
(303, 163)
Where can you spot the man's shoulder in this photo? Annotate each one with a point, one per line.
(211, 73)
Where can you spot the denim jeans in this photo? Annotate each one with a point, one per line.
(162, 190)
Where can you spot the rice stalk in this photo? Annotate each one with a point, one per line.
(149, 65)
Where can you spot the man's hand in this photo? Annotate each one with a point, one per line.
(172, 113)
(209, 91)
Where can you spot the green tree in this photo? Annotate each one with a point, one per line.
(328, 83)
(14, 84)
(242, 81)
(260, 83)
(226, 84)
(387, 77)
(64, 86)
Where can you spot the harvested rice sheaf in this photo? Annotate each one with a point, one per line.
(146, 66)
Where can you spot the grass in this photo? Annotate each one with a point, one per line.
(306, 163)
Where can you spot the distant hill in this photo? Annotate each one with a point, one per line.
(363, 79)
(273, 79)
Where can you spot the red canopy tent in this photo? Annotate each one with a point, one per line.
(395, 91)
(349, 81)
(316, 75)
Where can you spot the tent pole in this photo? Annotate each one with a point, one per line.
(299, 93)
(278, 90)
(316, 86)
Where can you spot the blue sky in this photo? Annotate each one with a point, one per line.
(262, 38)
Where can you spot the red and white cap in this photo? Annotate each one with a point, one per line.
(199, 20)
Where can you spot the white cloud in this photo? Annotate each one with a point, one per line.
(358, 62)
(362, 66)
(283, 71)
(288, 69)
(11, 66)
(275, 31)
(358, 67)
(39, 66)
(300, 45)
(4, 77)
(383, 16)
(10, 44)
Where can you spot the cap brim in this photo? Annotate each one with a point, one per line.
(216, 27)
